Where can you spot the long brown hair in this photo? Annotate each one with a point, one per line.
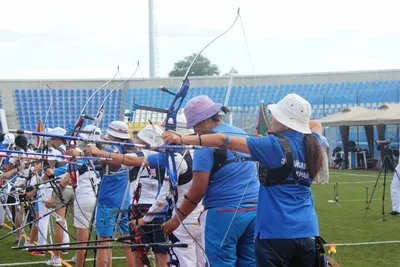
(313, 151)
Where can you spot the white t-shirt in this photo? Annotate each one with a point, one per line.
(84, 187)
(161, 201)
(149, 182)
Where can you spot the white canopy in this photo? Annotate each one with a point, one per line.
(346, 117)
(387, 114)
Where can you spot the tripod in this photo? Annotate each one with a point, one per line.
(385, 169)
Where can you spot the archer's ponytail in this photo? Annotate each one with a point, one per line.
(313, 152)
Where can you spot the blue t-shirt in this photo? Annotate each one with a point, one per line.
(231, 182)
(112, 187)
(157, 160)
(284, 211)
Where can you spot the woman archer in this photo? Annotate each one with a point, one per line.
(289, 159)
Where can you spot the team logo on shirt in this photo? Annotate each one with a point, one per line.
(303, 166)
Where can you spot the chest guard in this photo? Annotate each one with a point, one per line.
(188, 175)
(134, 172)
(279, 176)
(221, 159)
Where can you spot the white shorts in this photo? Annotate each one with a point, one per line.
(83, 211)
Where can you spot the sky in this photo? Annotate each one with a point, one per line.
(88, 39)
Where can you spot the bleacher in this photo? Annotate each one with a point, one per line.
(325, 98)
(33, 104)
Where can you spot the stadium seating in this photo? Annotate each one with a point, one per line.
(325, 98)
(33, 104)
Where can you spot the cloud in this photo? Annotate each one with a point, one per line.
(186, 31)
(55, 39)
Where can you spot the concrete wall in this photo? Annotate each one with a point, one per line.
(6, 85)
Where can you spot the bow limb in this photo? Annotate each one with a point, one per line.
(44, 145)
(135, 214)
(170, 121)
(78, 125)
(266, 120)
(142, 251)
(94, 93)
(49, 108)
(72, 144)
(99, 116)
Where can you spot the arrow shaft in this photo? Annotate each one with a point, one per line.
(78, 138)
(10, 152)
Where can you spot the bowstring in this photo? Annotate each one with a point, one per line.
(88, 162)
(259, 98)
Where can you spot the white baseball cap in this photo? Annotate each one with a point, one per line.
(294, 112)
(9, 139)
(91, 128)
(118, 129)
(150, 133)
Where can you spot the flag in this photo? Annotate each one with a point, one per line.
(39, 128)
(263, 124)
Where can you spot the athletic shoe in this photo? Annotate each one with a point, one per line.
(64, 252)
(37, 253)
(73, 259)
(54, 262)
(394, 213)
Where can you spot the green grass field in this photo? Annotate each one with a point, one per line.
(339, 223)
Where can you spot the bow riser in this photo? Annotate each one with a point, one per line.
(170, 121)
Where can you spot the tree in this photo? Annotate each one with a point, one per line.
(202, 67)
(233, 71)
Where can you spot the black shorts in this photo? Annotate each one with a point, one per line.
(153, 236)
(298, 252)
(13, 208)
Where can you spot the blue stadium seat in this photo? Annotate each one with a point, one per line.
(246, 98)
